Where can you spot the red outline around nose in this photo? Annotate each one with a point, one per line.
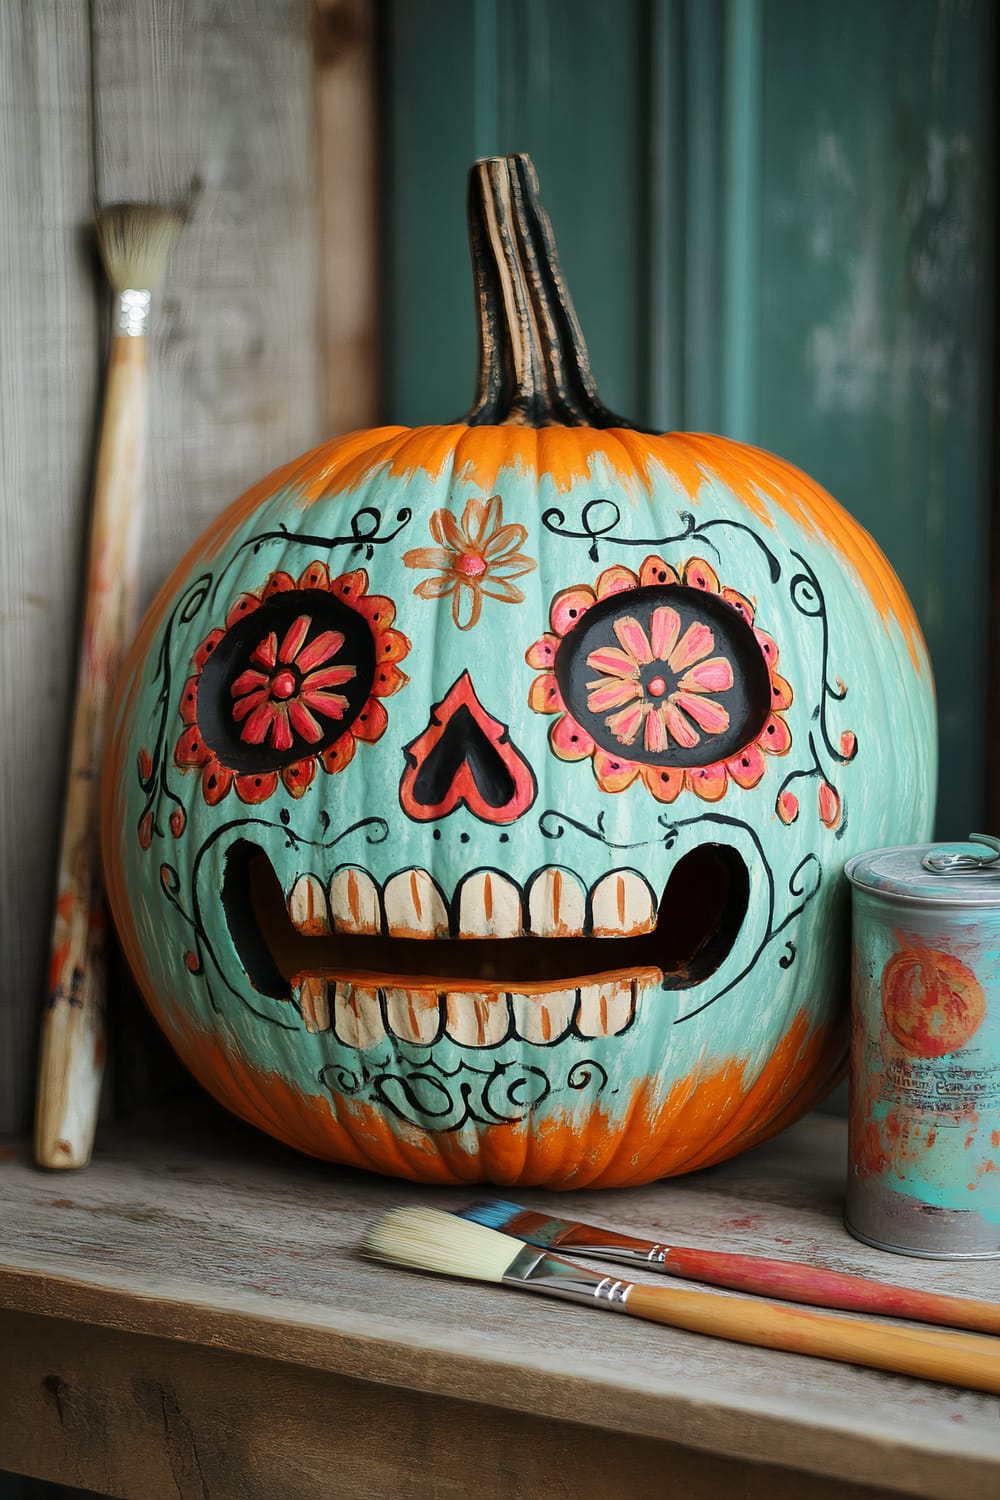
(463, 789)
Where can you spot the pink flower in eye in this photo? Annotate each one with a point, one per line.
(661, 684)
(289, 684)
(657, 687)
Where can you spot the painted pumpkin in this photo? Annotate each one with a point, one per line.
(478, 795)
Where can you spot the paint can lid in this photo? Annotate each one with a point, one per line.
(960, 874)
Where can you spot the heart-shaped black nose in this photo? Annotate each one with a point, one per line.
(465, 758)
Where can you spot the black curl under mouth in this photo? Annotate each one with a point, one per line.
(700, 914)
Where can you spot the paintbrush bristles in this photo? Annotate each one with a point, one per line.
(135, 240)
(425, 1239)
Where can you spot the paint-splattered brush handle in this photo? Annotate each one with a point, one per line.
(954, 1358)
(71, 1060)
(795, 1282)
(792, 1281)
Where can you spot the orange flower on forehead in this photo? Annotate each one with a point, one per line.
(477, 557)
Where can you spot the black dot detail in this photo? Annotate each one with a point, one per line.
(437, 833)
(464, 838)
(284, 816)
(505, 838)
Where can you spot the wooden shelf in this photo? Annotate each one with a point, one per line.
(190, 1315)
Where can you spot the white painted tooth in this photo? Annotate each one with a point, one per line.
(477, 1020)
(314, 1002)
(307, 906)
(622, 905)
(413, 1015)
(413, 906)
(543, 1018)
(354, 902)
(357, 1016)
(557, 904)
(489, 906)
(605, 1009)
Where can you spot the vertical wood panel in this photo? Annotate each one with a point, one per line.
(213, 102)
(217, 98)
(48, 389)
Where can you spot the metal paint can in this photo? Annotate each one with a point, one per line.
(924, 1127)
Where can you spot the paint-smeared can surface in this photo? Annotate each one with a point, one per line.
(924, 1168)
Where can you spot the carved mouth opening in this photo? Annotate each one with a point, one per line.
(700, 913)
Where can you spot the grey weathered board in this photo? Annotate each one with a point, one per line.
(103, 102)
(48, 390)
(237, 1345)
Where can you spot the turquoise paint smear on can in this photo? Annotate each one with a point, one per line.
(924, 1170)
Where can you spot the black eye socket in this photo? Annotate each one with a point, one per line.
(669, 676)
(285, 681)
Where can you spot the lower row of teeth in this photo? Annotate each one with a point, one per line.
(362, 1016)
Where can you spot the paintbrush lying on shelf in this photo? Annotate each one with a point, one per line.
(426, 1239)
(787, 1279)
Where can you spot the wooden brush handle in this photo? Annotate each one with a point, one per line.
(801, 1283)
(955, 1358)
(71, 1060)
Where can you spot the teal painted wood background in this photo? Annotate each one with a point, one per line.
(776, 219)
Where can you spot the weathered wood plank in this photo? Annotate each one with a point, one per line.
(254, 1251)
(150, 1419)
(215, 102)
(48, 393)
(212, 104)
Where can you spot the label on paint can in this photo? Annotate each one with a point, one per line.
(924, 1129)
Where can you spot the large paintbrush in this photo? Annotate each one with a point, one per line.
(426, 1239)
(134, 241)
(790, 1280)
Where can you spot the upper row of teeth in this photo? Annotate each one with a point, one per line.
(555, 903)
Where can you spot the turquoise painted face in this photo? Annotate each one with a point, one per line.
(478, 806)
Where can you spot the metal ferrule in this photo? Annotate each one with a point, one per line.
(555, 1277)
(134, 304)
(584, 1239)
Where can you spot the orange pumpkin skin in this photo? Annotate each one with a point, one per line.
(627, 701)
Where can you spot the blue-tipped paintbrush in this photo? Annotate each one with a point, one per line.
(790, 1280)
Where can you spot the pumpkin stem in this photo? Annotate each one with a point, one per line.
(534, 369)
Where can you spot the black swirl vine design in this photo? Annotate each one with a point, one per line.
(599, 520)
(363, 536)
(598, 524)
(429, 1095)
(153, 763)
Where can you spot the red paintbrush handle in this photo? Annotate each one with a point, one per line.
(813, 1284)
